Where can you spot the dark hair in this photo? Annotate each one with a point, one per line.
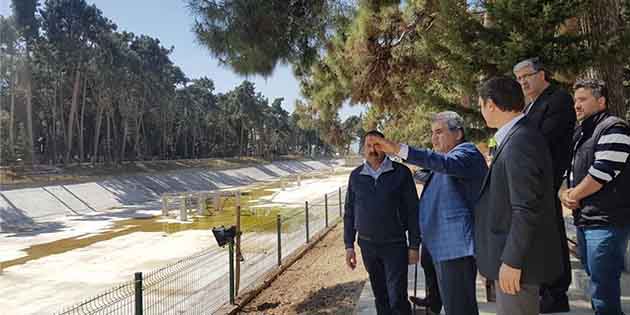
(505, 92)
(372, 132)
(598, 87)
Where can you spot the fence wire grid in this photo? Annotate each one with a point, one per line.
(199, 284)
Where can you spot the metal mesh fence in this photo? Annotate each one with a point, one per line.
(199, 284)
(186, 286)
(115, 301)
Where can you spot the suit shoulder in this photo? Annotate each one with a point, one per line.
(401, 167)
(469, 147)
(529, 132)
(561, 98)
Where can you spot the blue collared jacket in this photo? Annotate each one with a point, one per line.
(448, 199)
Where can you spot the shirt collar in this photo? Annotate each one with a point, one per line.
(592, 121)
(385, 166)
(503, 131)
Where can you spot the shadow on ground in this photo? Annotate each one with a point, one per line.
(330, 300)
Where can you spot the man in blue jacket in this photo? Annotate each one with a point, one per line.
(446, 207)
(381, 204)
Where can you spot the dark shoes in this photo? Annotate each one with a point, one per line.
(554, 304)
(431, 309)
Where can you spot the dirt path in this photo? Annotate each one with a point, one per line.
(319, 283)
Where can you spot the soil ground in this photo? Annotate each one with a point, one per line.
(319, 283)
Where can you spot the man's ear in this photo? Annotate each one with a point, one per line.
(601, 101)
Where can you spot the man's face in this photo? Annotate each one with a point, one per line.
(442, 138)
(586, 104)
(369, 151)
(532, 81)
(487, 111)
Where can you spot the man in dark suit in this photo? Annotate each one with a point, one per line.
(550, 109)
(517, 241)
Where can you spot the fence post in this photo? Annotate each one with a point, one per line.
(279, 225)
(138, 292)
(238, 256)
(326, 207)
(306, 213)
(340, 205)
(231, 258)
(201, 203)
(164, 205)
(217, 202)
(183, 212)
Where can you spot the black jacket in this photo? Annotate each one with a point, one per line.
(381, 211)
(553, 114)
(514, 218)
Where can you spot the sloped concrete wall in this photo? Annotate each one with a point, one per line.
(25, 206)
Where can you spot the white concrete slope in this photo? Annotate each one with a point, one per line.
(22, 208)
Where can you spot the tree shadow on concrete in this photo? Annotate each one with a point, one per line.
(337, 299)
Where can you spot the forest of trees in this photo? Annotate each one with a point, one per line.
(74, 88)
(407, 58)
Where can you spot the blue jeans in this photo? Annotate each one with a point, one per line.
(602, 252)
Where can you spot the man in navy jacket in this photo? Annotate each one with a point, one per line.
(381, 205)
(446, 207)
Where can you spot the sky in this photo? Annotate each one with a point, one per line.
(171, 23)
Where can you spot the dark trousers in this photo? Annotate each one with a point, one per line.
(387, 266)
(458, 288)
(559, 287)
(525, 302)
(430, 281)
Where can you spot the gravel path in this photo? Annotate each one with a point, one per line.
(319, 283)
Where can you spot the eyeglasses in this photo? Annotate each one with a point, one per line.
(526, 76)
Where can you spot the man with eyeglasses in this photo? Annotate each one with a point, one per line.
(550, 108)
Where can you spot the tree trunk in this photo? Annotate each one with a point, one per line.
(136, 143)
(73, 113)
(241, 140)
(12, 116)
(29, 109)
(97, 132)
(603, 20)
(54, 127)
(108, 144)
(124, 139)
(82, 122)
(62, 119)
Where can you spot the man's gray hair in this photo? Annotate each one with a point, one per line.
(452, 119)
(535, 63)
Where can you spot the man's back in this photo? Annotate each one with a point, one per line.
(515, 214)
